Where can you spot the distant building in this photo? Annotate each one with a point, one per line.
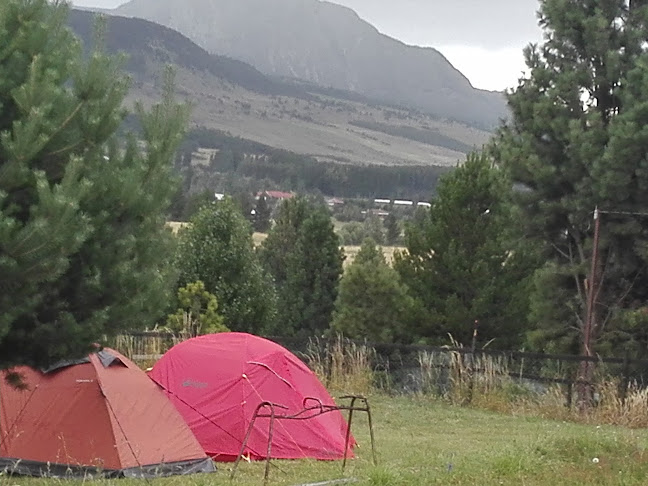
(377, 212)
(382, 201)
(400, 202)
(218, 196)
(424, 204)
(334, 201)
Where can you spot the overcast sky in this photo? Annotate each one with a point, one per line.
(482, 38)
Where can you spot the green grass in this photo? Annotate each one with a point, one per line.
(426, 442)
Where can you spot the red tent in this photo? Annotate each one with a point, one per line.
(217, 381)
(100, 415)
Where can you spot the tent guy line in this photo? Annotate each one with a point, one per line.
(184, 402)
(287, 432)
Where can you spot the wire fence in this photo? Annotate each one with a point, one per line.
(410, 369)
(420, 369)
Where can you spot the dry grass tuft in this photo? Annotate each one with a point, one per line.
(342, 365)
(486, 382)
(144, 349)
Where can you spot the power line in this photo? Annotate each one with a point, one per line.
(624, 213)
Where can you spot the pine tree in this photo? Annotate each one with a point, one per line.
(462, 263)
(373, 228)
(218, 250)
(303, 255)
(372, 303)
(197, 312)
(262, 212)
(577, 140)
(83, 248)
(392, 230)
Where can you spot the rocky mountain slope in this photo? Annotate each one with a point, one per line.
(329, 45)
(234, 97)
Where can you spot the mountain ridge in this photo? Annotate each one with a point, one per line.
(329, 45)
(232, 97)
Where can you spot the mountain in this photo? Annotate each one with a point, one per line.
(145, 42)
(329, 45)
(231, 96)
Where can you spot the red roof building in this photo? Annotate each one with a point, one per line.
(276, 195)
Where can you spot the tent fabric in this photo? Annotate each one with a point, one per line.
(217, 381)
(99, 417)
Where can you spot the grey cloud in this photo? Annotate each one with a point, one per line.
(492, 24)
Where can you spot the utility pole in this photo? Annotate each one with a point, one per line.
(585, 375)
(592, 284)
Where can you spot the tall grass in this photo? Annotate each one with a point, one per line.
(342, 365)
(460, 378)
(611, 408)
(476, 380)
(144, 349)
(487, 382)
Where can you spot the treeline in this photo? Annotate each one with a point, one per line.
(464, 262)
(295, 172)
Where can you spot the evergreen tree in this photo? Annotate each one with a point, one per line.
(353, 233)
(83, 248)
(462, 263)
(373, 228)
(197, 312)
(303, 255)
(217, 249)
(372, 303)
(262, 212)
(577, 140)
(392, 229)
(244, 200)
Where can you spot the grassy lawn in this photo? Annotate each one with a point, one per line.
(423, 442)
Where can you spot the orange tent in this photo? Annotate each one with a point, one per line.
(98, 416)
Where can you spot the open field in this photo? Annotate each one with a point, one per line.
(425, 442)
(350, 251)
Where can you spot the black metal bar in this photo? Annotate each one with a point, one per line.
(321, 409)
(266, 474)
(307, 399)
(348, 432)
(371, 433)
(247, 437)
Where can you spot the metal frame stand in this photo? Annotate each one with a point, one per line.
(307, 412)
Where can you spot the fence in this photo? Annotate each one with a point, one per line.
(419, 369)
